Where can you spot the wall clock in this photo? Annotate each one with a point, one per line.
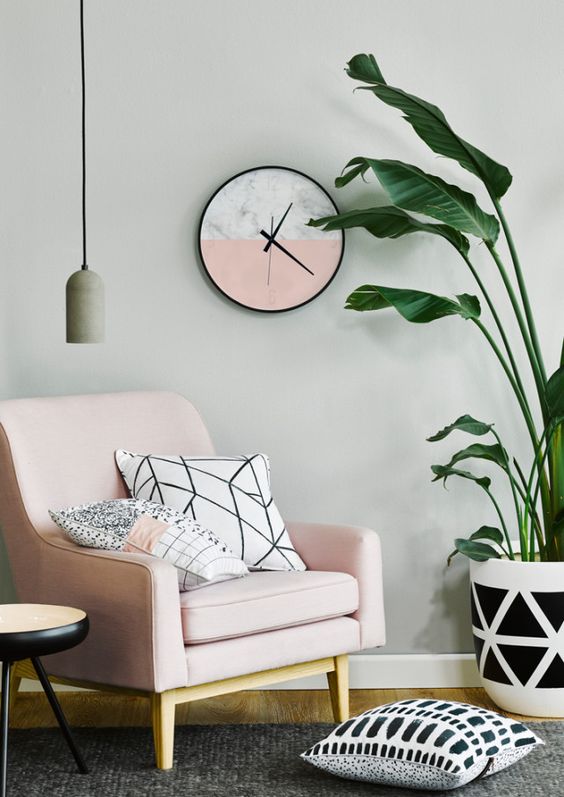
(255, 246)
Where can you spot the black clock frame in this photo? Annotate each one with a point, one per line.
(227, 296)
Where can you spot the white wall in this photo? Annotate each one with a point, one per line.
(181, 96)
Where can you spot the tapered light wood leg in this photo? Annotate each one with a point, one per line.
(163, 707)
(339, 688)
(15, 681)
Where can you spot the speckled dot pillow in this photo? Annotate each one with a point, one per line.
(128, 524)
(423, 744)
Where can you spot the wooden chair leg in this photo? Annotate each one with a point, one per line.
(338, 681)
(162, 714)
(15, 681)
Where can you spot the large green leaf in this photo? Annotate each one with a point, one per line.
(389, 222)
(466, 423)
(431, 125)
(488, 533)
(415, 306)
(412, 189)
(470, 305)
(444, 471)
(483, 533)
(364, 67)
(479, 551)
(367, 297)
(357, 167)
(555, 394)
(491, 453)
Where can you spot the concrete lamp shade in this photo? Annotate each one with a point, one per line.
(85, 307)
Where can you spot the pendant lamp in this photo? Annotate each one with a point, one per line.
(85, 289)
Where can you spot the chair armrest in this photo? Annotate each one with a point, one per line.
(133, 604)
(353, 550)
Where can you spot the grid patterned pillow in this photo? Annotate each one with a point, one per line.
(127, 524)
(423, 744)
(230, 495)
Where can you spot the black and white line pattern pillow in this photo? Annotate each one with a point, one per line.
(128, 524)
(423, 744)
(230, 495)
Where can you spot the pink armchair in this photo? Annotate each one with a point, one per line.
(147, 638)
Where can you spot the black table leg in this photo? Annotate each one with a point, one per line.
(58, 712)
(4, 727)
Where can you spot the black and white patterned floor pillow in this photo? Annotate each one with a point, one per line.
(127, 524)
(229, 495)
(423, 744)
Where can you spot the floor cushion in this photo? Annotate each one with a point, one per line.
(427, 744)
(264, 601)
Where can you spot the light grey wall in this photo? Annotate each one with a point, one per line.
(183, 95)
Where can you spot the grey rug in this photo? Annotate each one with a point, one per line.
(234, 761)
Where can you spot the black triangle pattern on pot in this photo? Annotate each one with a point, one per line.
(490, 599)
(552, 605)
(478, 647)
(476, 622)
(493, 669)
(523, 660)
(520, 621)
(554, 676)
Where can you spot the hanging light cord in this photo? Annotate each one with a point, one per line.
(84, 261)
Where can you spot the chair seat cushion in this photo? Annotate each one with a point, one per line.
(264, 601)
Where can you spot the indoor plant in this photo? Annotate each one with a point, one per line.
(516, 624)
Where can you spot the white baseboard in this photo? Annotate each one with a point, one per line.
(376, 671)
(401, 671)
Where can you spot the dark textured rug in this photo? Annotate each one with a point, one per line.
(234, 761)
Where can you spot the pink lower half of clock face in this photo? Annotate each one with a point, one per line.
(271, 280)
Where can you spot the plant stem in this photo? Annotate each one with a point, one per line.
(498, 324)
(537, 371)
(538, 467)
(545, 491)
(522, 403)
(522, 493)
(522, 538)
(522, 288)
(502, 521)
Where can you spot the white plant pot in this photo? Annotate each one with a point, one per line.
(518, 627)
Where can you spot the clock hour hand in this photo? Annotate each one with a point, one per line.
(286, 252)
(275, 233)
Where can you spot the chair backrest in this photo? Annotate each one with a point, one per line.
(57, 452)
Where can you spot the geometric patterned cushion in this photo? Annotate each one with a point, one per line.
(230, 495)
(423, 744)
(127, 524)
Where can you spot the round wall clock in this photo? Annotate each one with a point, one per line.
(255, 245)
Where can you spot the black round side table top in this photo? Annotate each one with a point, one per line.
(28, 630)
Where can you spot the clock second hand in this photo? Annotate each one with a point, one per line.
(286, 252)
(270, 249)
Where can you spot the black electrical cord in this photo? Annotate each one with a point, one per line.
(84, 262)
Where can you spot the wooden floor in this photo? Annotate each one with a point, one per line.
(100, 709)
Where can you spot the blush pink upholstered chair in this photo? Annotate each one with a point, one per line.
(146, 637)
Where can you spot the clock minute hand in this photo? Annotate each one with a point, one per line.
(286, 252)
(275, 233)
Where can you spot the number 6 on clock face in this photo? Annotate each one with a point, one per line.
(255, 245)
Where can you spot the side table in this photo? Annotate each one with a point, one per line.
(27, 631)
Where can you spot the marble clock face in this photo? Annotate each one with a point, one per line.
(255, 245)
